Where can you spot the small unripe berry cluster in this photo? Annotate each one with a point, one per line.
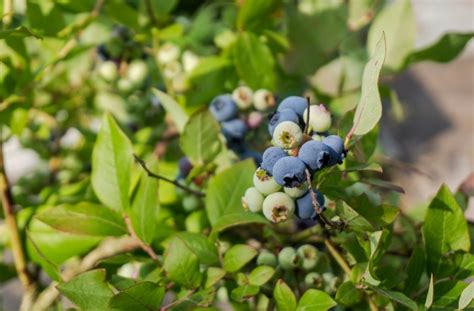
(281, 182)
(234, 113)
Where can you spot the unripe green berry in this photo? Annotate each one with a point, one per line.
(191, 202)
(124, 85)
(331, 282)
(278, 207)
(314, 280)
(108, 71)
(137, 72)
(265, 258)
(265, 183)
(296, 192)
(287, 135)
(288, 259)
(308, 255)
(252, 200)
(319, 118)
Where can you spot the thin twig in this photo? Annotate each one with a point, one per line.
(174, 182)
(108, 248)
(338, 257)
(16, 243)
(176, 302)
(142, 244)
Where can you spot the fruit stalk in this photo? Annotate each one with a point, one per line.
(159, 177)
(16, 243)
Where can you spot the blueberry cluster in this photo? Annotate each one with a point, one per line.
(306, 258)
(281, 186)
(233, 112)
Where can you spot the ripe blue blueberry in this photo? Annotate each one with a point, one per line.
(278, 207)
(251, 154)
(304, 205)
(287, 135)
(185, 166)
(234, 129)
(223, 108)
(281, 116)
(336, 149)
(289, 172)
(314, 154)
(264, 182)
(270, 156)
(296, 103)
(252, 200)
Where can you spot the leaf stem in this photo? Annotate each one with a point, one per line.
(142, 244)
(338, 257)
(159, 177)
(176, 302)
(19, 257)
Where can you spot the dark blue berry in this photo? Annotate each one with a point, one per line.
(271, 156)
(314, 154)
(234, 129)
(185, 167)
(281, 116)
(289, 172)
(304, 205)
(296, 103)
(223, 108)
(336, 149)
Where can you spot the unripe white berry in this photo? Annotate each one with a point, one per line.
(265, 183)
(319, 118)
(243, 97)
(287, 135)
(137, 72)
(296, 192)
(263, 100)
(190, 61)
(278, 207)
(172, 69)
(252, 200)
(168, 52)
(108, 71)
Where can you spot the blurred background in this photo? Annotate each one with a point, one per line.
(433, 144)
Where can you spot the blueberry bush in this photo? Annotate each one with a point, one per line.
(208, 155)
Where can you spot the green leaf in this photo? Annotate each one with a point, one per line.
(88, 290)
(45, 17)
(143, 296)
(378, 216)
(174, 110)
(397, 21)
(447, 48)
(226, 189)
(315, 300)
(122, 13)
(204, 249)
(261, 275)
(415, 269)
(19, 32)
(213, 275)
(200, 139)
(48, 266)
(347, 294)
(396, 296)
(237, 219)
(181, 264)
(84, 218)
(429, 295)
(238, 256)
(202, 298)
(369, 108)
(467, 296)
(446, 295)
(111, 165)
(144, 208)
(444, 231)
(244, 292)
(254, 61)
(284, 298)
(252, 14)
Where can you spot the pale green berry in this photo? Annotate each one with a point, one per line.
(172, 69)
(252, 200)
(278, 207)
(266, 258)
(317, 137)
(288, 259)
(319, 118)
(191, 202)
(331, 282)
(124, 85)
(287, 135)
(168, 52)
(137, 72)
(308, 255)
(243, 97)
(314, 279)
(190, 61)
(296, 192)
(265, 183)
(263, 100)
(108, 71)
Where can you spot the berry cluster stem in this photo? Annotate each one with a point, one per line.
(145, 247)
(159, 177)
(16, 243)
